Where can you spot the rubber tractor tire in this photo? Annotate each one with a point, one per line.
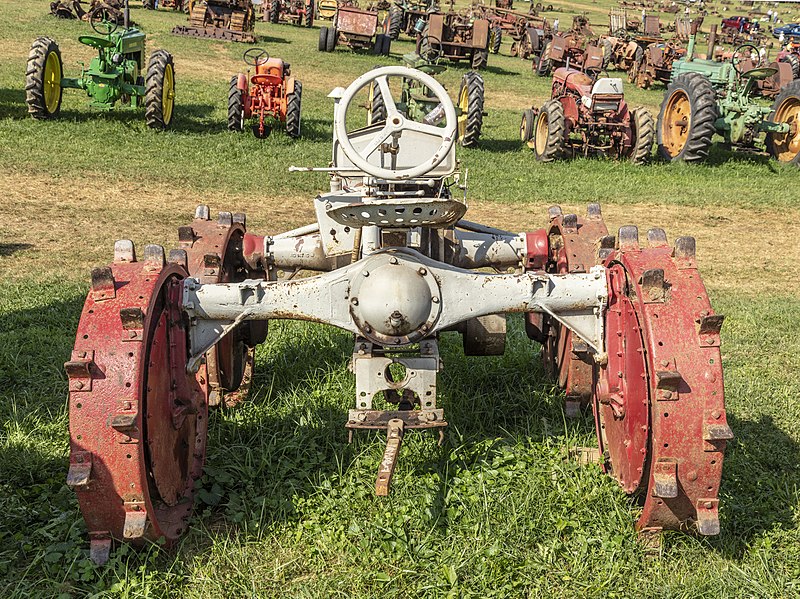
(686, 120)
(43, 74)
(235, 106)
(293, 106)
(496, 39)
(333, 37)
(159, 100)
(608, 51)
(526, 127)
(643, 133)
(470, 104)
(785, 147)
(323, 39)
(550, 132)
(395, 22)
(480, 59)
(308, 19)
(794, 62)
(274, 14)
(544, 65)
(377, 107)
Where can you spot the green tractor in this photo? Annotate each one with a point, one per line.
(114, 75)
(420, 104)
(706, 97)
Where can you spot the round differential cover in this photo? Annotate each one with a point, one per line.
(395, 300)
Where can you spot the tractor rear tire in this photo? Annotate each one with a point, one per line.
(470, 103)
(309, 16)
(608, 51)
(395, 22)
(550, 132)
(293, 106)
(643, 134)
(794, 62)
(496, 39)
(323, 39)
(686, 120)
(43, 79)
(377, 107)
(382, 45)
(159, 99)
(235, 106)
(785, 147)
(274, 11)
(526, 127)
(480, 59)
(545, 64)
(333, 36)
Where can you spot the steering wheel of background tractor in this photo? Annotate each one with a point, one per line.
(254, 56)
(760, 73)
(735, 60)
(396, 124)
(431, 48)
(102, 21)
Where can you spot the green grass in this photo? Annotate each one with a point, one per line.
(286, 506)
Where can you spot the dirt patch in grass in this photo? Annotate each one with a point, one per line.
(63, 226)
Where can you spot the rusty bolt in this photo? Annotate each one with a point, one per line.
(79, 385)
(82, 354)
(362, 417)
(692, 476)
(708, 505)
(132, 334)
(392, 260)
(397, 340)
(667, 395)
(430, 416)
(716, 414)
(665, 362)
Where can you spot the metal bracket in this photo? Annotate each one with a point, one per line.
(394, 438)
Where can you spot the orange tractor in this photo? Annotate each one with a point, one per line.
(271, 95)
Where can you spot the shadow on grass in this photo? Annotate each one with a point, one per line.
(6, 249)
(12, 103)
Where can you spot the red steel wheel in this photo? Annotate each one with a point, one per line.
(659, 399)
(214, 255)
(138, 420)
(574, 244)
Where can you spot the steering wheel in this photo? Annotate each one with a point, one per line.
(431, 55)
(255, 56)
(760, 73)
(735, 61)
(102, 21)
(396, 124)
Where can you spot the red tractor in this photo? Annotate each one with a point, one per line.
(271, 95)
(587, 115)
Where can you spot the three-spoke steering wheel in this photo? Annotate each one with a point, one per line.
(103, 21)
(432, 47)
(396, 124)
(255, 56)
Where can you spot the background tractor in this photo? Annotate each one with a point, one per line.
(708, 97)
(295, 12)
(271, 95)
(355, 28)
(460, 37)
(420, 103)
(116, 74)
(392, 260)
(572, 49)
(587, 115)
(232, 20)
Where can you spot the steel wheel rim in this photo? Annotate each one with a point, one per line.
(541, 135)
(463, 105)
(674, 135)
(168, 97)
(787, 145)
(52, 82)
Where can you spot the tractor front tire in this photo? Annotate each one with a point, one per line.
(470, 104)
(496, 39)
(43, 79)
(235, 106)
(377, 107)
(309, 16)
(333, 37)
(480, 59)
(293, 106)
(323, 39)
(395, 22)
(159, 99)
(643, 134)
(545, 63)
(274, 14)
(794, 62)
(526, 127)
(686, 120)
(550, 132)
(785, 147)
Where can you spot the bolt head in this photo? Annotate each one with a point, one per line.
(392, 260)
(79, 385)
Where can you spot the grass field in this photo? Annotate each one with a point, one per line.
(286, 506)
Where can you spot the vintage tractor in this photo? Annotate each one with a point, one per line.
(356, 28)
(587, 115)
(570, 49)
(419, 103)
(790, 54)
(232, 20)
(409, 17)
(326, 9)
(294, 12)
(460, 37)
(270, 94)
(529, 33)
(116, 74)
(625, 325)
(707, 97)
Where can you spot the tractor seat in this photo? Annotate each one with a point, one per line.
(605, 95)
(95, 41)
(579, 80)
(760, 73)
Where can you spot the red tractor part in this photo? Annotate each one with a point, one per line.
(294, 12)
(214, 251)
(137, 419)
(659, 398)
(271, 95)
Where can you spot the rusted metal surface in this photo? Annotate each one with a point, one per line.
(658, 301)
(394, 438)
(351, 21)
(137, 420)
(232, 20)
(214, 254)
(459, 37)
